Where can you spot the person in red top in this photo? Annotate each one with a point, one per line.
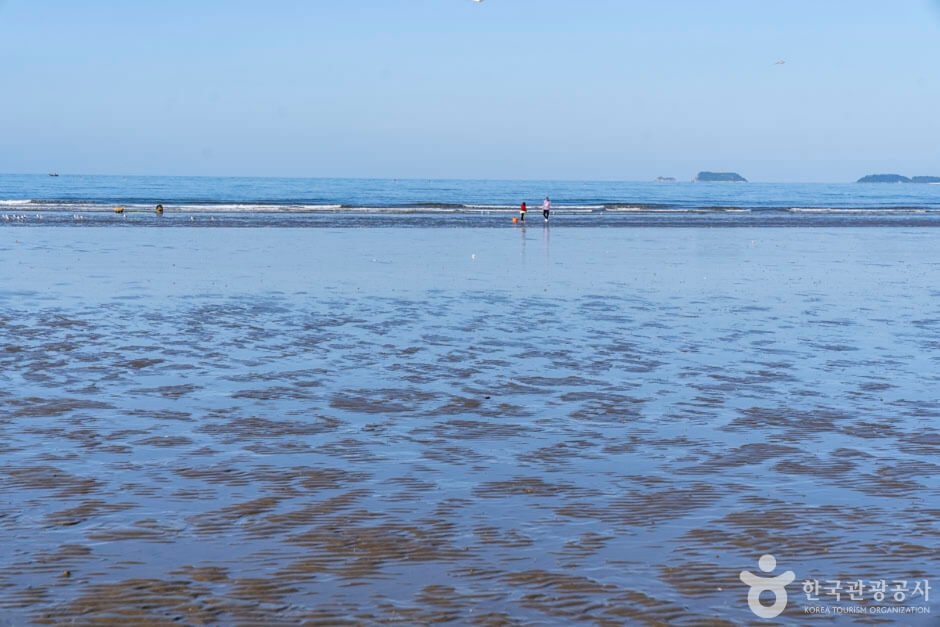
(522, 211)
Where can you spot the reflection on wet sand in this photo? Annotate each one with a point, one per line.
(357, 460)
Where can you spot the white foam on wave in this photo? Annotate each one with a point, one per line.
(249, 208)
(857, 210)
(573, 208)
(402, 209)
(644, 210)
(319, 207)
(494, 207)
(14, 203)
(677, 210)
(90, 207)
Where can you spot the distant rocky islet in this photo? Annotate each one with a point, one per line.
(734, 177)
(719, 177)
(707, 177)
(898, 178)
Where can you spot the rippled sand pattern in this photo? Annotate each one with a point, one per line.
(608, 454)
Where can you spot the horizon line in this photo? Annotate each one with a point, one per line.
(421, 178)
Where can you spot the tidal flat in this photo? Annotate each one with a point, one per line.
(475, 425)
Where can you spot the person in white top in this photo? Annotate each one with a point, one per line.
(546, 208)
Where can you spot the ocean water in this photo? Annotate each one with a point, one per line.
(416, 425)
(386, 202)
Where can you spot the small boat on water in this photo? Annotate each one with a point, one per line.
(53, 174)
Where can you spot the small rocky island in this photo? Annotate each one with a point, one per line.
(897, 178)
(665, 179)
(719, 177)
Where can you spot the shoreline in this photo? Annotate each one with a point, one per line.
(477, 219)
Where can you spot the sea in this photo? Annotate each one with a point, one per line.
(373, 402)
(220, 201)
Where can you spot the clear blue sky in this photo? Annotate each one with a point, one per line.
(572, 89)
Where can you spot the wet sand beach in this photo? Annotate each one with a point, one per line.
(478, 425)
